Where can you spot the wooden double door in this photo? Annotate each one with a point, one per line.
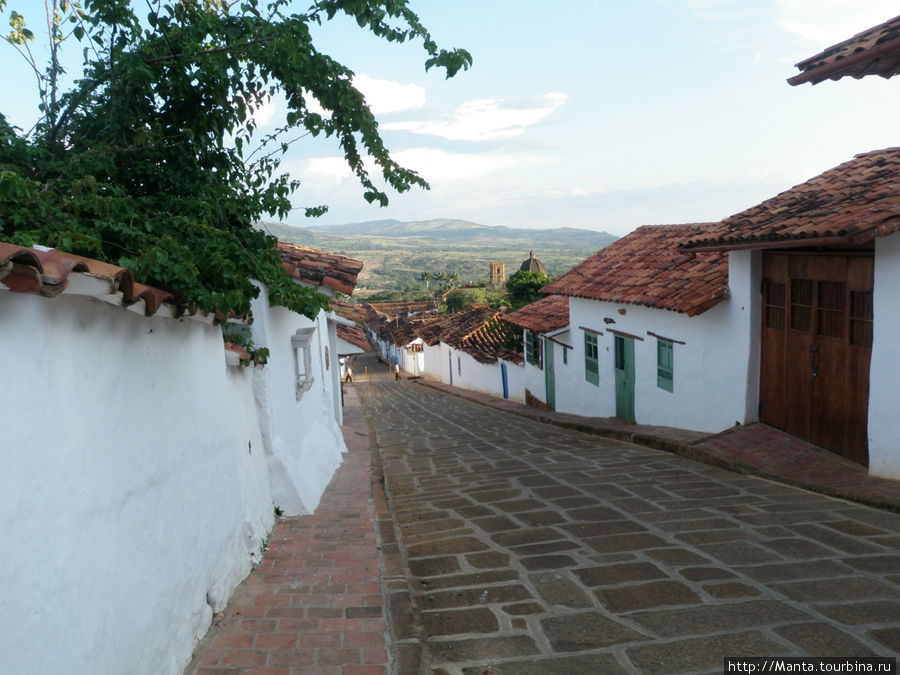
(816, 344)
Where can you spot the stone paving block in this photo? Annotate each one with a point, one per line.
(555, 491)
(519, 505)
(457, 621)
(697, 525)
(444, 546)
(716, 618)
(644, 596)
(836, 540)
(583, 664)
(813, 569)
(402, 616)
(713, 536)
(573, 502)
(469, 579)
(544, 548)
(820, 639)
(481, 649)
(732, 589)
(548, 562)
(610, 575)
(496, 524)
(427, 567)
(676, 556)
(535, 518)
(855, 588)
(521, 608)
(430, 526)
(599, 529)
(700, 654)
(861, 613)
(473, 511)
(486, 595)
(594, 514)
(624, 542)
(586, 630)
(879, 564)
(889, 637)
(855, 528)
(557, 589)
(739, 553)
(527, 536)
(794, 547)
(488, 496)
(488, 559)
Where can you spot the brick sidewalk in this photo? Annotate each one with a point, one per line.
(315, 603)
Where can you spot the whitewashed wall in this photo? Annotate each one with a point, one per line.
(134, 490)
(716, 370)
(469, 373)
(515, 373)
(884, 372)
(436, 362)
(303, 440)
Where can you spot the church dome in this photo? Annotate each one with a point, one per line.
(532, 264)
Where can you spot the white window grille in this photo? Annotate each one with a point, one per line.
(300, 343)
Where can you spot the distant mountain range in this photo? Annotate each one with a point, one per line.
(395, 253)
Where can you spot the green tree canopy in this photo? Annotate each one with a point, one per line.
(152, 161)
(523, 287)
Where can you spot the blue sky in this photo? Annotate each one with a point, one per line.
(601, 114)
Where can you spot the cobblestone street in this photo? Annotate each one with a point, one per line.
(531, 549)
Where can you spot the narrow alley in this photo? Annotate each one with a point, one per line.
(532, 549)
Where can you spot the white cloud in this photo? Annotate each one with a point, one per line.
(434, 164)
(826, 22)
(487, 119)
(386, 96)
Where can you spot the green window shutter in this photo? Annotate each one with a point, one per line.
(565, 357)
(591, 362)
(665, 365)
(530, 347)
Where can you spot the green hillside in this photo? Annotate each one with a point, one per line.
(395, 253)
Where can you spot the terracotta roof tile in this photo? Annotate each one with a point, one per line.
(853, 202)
(331, 270)
(646, 267)
(355, 335)
(875, 51)
(477, 331)
(545, 315)
(46, 273)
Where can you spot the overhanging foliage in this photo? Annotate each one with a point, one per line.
(152, 160)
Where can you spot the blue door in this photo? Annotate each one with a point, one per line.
(450, 361)
(505, 380)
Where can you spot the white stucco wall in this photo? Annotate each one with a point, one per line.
(716, 369)
(134, 490)
(884, 372)
(469, 373)
(303, 441)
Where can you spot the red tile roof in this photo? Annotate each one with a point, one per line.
(333, 271)
(477, 331)
(851, 203)
(543, 316)
(875, 51)
(46, 273)
(647, 268)
(355, 335)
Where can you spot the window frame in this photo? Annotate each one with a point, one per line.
(665, 365)
(301, 346)
(591, 358)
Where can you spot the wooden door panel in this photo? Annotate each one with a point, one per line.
(814, 372)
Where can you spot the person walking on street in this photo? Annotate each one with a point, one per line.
(397, 372)
(349, 376)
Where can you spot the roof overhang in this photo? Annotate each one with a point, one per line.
(841, 67)
(824, 242)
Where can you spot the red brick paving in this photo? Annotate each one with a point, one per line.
(314, 604)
